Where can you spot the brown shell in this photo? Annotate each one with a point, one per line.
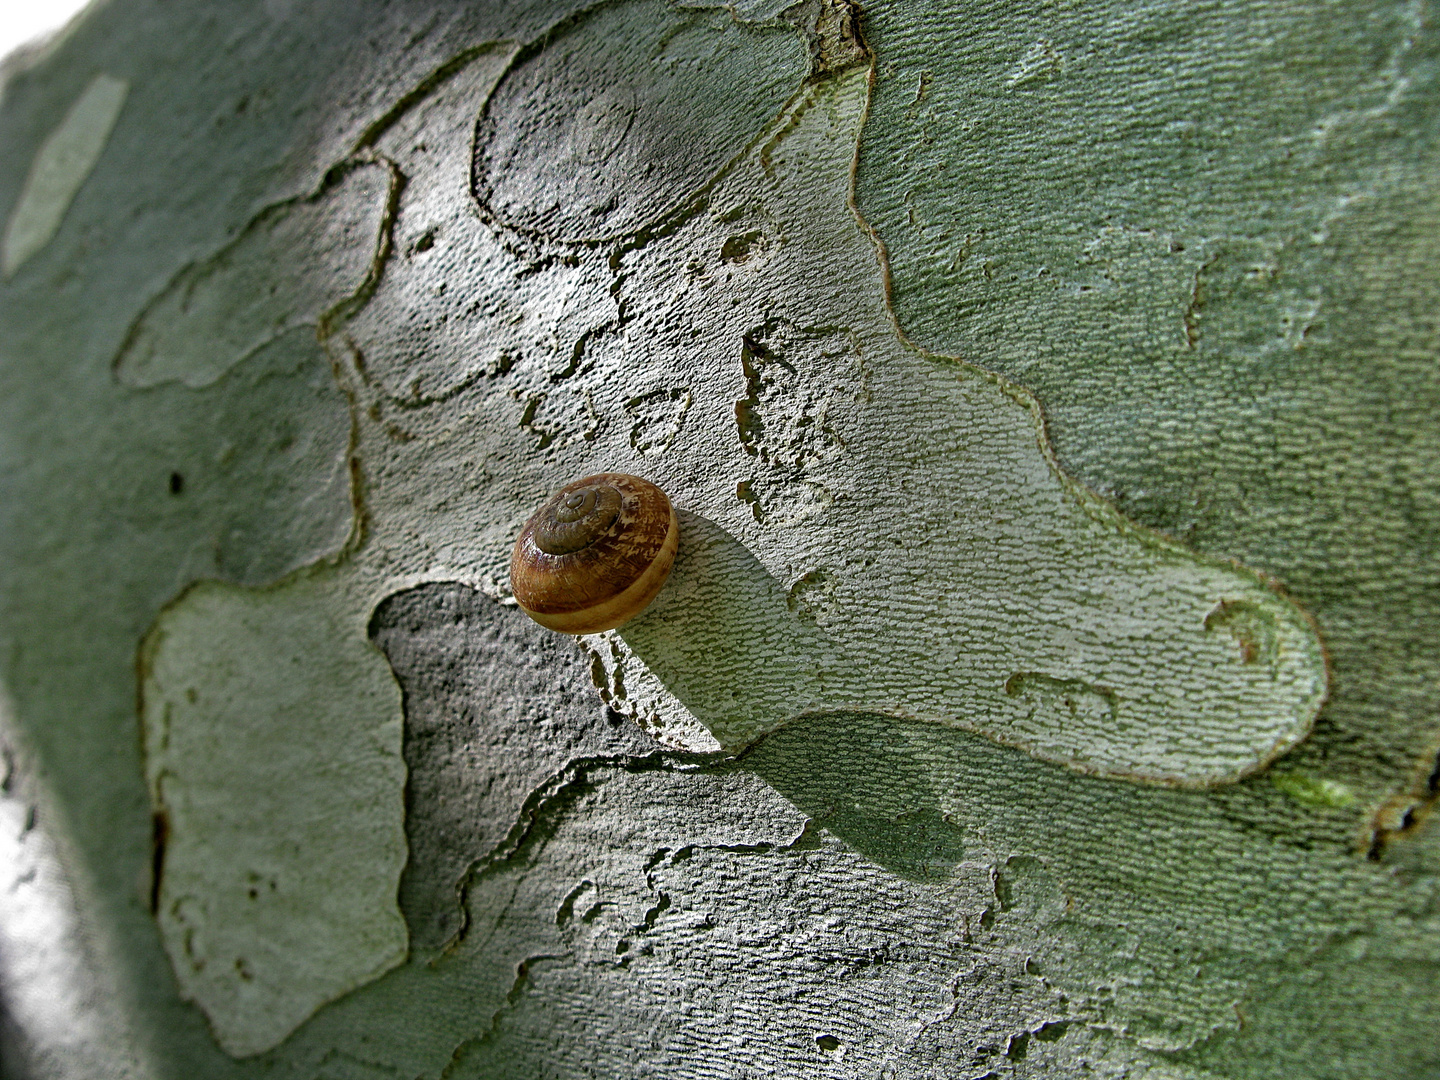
(595, 554)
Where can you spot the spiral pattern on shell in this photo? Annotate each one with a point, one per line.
(595, 553)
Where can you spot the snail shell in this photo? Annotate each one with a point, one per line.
(595, 554)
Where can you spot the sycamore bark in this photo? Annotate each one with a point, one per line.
(1047, 685)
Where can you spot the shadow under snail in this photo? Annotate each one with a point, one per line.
(595, 554)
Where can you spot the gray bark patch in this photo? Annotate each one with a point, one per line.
(495, 706)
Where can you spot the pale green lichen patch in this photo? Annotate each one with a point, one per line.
(272, 747)
(60, 166)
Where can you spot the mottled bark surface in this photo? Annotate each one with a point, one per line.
(930, 761)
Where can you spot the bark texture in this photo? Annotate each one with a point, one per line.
(963, 743)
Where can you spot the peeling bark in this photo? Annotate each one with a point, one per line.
(965, 741)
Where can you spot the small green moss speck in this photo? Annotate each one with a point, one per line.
(1309, 790)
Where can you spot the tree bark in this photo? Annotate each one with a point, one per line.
(1047, 682)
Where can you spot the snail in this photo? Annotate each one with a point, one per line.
(595, 554)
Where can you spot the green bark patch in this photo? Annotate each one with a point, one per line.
(272, 748)
(293, 266)
(1205, 237)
